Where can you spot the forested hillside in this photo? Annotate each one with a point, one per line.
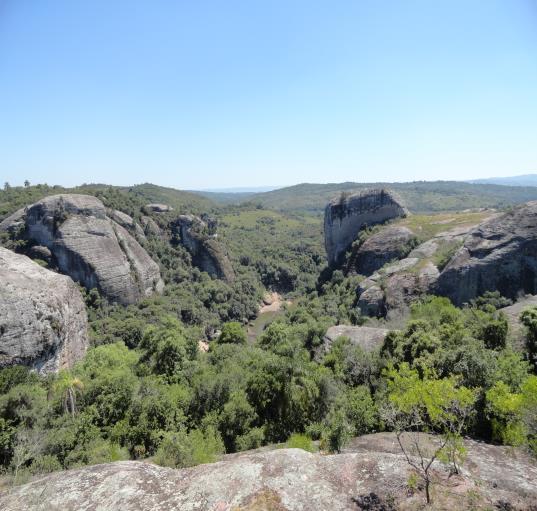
(419, 196)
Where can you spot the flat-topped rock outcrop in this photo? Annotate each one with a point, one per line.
(346, 216)
(284, 480)
(498, 255)
(199, 238)
(43, 322)
(91, 248)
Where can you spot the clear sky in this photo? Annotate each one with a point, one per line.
(211, 94)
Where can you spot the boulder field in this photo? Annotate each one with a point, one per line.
(43, 323)
(90, 246)
(286, 480)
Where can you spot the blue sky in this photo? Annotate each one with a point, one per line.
(211, 94)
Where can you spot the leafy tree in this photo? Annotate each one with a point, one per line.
(232, 332)
(68, 386)
(529, 320)
(417, 405)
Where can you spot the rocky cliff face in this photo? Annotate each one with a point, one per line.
(91, 248)
(43, 322)
(346, 216)
(286, 480)
(200, 240)
(500, 254)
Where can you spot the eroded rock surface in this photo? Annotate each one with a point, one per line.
(91, 248)
(282, 480)
(500, 254)
(43, 322)
(389, 244)
(345, 216)
(199, 238)
(367, 338)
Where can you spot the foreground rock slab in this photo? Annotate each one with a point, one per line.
(43, 322)
(282, 479)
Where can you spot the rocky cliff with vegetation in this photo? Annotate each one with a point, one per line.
(200, 239)
(43, 321)
(498, 255)
(90, 247)
(347, 215)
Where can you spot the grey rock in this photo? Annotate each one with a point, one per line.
(500, 254)
(150, 227)
(371, 301)
(207, 253)
(380, 248)
(13, 222)
(280, 480)
(126, 222)
(39, 252)
(93, 249)
(367, 338)
(43, 322)
(346, 216)
(157, 208)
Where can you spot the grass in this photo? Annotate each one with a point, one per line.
(428, 226)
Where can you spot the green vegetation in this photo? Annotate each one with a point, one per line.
(146, 390)
(420, 196)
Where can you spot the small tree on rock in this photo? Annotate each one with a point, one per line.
(417, 406)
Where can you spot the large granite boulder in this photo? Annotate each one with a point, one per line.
(43, 322)
(382, 247)
(286, 480)
(498, 255)
(200, 239)
(91, 248)
(347, 215)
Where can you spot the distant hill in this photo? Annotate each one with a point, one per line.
(224, 198)
(419, 196)
(523, 180)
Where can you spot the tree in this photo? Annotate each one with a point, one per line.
(232, 332)
(529, 320)
(68, 386)
(419, 405)
(26, 184)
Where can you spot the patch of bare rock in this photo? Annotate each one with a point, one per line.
(43, 322)
(285, 480)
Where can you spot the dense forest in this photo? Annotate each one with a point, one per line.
(145, 390)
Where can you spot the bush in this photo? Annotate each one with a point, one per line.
(181, 449)
(299, 441)
(232, 333)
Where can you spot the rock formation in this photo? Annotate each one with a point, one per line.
(345, 216)
(380, 248)
(500, 254)
(126, 222)
(199, 238)
(284, 480)
(157, 208)
(43, 322)
(367, 338)
(91, 248)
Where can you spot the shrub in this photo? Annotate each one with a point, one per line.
(299, 441)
